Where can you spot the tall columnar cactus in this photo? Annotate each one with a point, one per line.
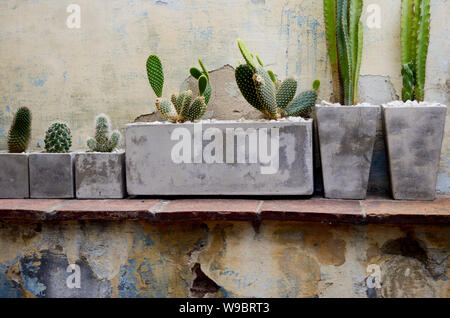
(58, 138)
(344, 33)
(105, 140)
(415, 38)
(182, 107)
(20, 132)
(263, 91)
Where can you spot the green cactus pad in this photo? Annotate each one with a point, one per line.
(272, 75)
(302, 104)
(286, 92)
(246, 54)
(167, 109)
(186, 105)
(316, 85)
(265, 90)
(197, 109)
(244, 79)
(205, 71)
(195, 72)
(207, 93)
(20, 131)
(58, 138)
(202, 84)
(155, 74)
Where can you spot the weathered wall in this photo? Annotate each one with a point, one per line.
(224, 259)
(74, 74)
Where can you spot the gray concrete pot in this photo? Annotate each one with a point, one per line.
(346, 137)
(414, 136)
(51, 175)
(14, 182)
(100, 175)
(216, 158)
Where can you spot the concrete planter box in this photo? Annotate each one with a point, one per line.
(220, 158)
(51, 175)
(14, 182)
(414, 134)
(346, 137)
(100, 175)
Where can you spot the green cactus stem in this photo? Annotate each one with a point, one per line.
(270, 96)
(20, 132)
(105, 140)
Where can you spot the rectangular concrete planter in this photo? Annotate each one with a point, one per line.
(346, 137)
(414, 136)
(14, 182)
(100, 175)
(51, 175)
(217, 158)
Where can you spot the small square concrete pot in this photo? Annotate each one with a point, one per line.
(220, 158)
(51, 175)
(346, 137)
(100, 175)
(14, 182)
(414, 134)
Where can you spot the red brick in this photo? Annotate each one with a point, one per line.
(27, 209)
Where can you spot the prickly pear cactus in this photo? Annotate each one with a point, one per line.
(415, 38)
(58, 138)
(181, 107)
(272, 97)
(105, 140)
(20, 132)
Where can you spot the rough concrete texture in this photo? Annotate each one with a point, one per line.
(228, 158)
(346, 138)
(414, 137)
(51, 175)
(14, 182)
(223, 259)
(100, 175)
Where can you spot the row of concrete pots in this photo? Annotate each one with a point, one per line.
(62, 176)
(244, 158)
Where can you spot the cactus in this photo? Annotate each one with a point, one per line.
(182, 107)
(20, 131)
(58, 138)
(415, 38)
(105, 140)
(344, 33)
(264, 92)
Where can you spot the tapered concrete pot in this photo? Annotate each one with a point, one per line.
(220, 158)
(51, 175)
(414, 133)
(346, 138)
(14, 181)
(100, 175)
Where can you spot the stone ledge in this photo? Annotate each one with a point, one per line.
(373, 210)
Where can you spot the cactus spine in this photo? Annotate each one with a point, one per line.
(264, 92)
(344, 33)
(105, 140)
(415, 38)
(58, 138)
(20, 131)
(182, 107)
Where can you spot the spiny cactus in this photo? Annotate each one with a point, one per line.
(182, 107)
(415, 38)
(58, 138)
(20, 132)
(344, 33)
(263, 91)
(104, 141)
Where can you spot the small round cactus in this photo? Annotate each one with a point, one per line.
(20, 132)
(58, 138)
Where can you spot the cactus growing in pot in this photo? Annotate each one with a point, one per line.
(344, 33)
(272, 97)
(20, 131)
(182, 107)
(415, 38)
(105, 140)
(58, 138)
